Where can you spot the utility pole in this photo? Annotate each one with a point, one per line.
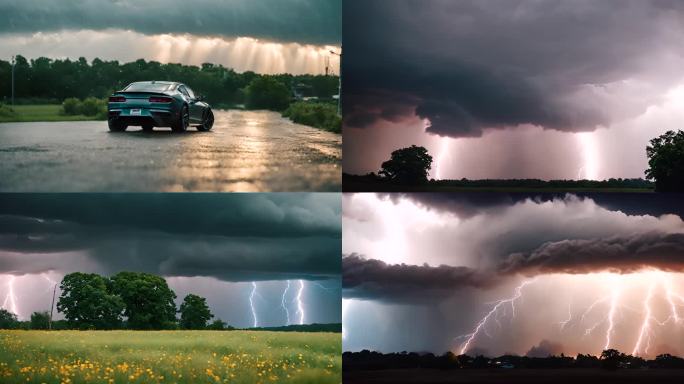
(339, 84)
(13, 62)
(52, 306)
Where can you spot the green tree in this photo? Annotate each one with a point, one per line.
(8, 320)
(148, 300)
(40, 320)
(218, 325)
(666, 162)
(407, 166)
(194, 312)
(87, 303)
(265, 92)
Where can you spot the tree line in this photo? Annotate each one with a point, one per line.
(410, 166)
(610, 359)
(127, 300)
(44, 80)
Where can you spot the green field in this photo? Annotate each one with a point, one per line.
(170, 357)
(43, 112)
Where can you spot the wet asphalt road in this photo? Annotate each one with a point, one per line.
(246, 151)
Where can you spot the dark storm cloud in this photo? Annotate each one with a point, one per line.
(374, 279)
(302, 21)
(254, 215)
(467, 204)
(476, 64)
(664, 251)
(235, 237)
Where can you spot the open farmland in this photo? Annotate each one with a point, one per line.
(169, 357)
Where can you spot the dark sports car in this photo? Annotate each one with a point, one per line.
(152, 104)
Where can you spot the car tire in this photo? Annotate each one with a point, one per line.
(115, 126)
(147, 128)
(181, 125)
(207, 121)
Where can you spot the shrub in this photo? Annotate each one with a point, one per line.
(92, 106)
(89, 107)
(71, 106)
(319, 115)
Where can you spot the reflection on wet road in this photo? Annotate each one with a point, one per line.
(246, 151)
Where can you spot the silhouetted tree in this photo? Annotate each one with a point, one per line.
(40, 320)
(87, 302)
(407, 166)
(611, 359)
(194, 312)
(8, 320)
(666, 162)
(148, 300)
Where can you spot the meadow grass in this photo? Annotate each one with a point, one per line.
(43, 112)
(170, 357)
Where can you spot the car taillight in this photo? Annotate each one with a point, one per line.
(157, 99)
(117, 99)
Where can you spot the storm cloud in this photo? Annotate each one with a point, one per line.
(428, 246)
(231, 237)
(307, 22)
(466, 66)
(618, 254)
(373, 279)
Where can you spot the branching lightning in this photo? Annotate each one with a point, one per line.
(10, 302)
(300, 307)
(251, 304)
(564, 323)
(481, 325)
(282, 303)
(645, 331)
(604, 314)
(611, 316)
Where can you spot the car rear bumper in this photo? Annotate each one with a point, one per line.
(155, 117)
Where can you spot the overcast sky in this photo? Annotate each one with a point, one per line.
(512, 89)
(420, 271)
(267, 36)
(214, 245)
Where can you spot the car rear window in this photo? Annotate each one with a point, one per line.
(148, 87)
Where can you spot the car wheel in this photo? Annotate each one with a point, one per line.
(181, 125)
(147, 128)
(116, 126)
(207, 121)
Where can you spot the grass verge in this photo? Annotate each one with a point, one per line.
(32, 113)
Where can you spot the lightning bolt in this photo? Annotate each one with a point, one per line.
(300, 307)
(443, 151)
(251, 304)
(611, 316)
(671, 296)
(282, 303)
(498, 304)
(646, 325)
(10, 302)
(321, 286)
(49, 280)
(565, 322)
(345, 309)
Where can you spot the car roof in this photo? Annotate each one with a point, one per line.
(157, 82)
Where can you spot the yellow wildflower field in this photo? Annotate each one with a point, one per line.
(170, 357)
